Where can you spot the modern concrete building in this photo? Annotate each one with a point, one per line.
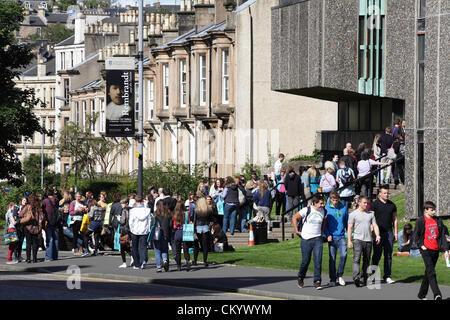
(379, 60)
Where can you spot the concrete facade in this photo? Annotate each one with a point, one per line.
(323, 62)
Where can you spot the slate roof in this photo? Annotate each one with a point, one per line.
(50, 70)
(96, 84)
(66, 42)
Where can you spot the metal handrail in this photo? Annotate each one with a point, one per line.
(372, 172)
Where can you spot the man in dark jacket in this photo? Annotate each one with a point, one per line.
(50, 209)
(429, 235)
(294, 190)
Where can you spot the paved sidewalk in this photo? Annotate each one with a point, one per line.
(247, 280)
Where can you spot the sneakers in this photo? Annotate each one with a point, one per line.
(341, 281)
(332, 284)
(166, 266)
(85, 254)
(123, 265)
(159, 270)
(357, 283)
(19, 259)
(143, 266)
(389, 280)
(318, 286)
(188, 266)
(135, 268)
(94, 254)
(300, 283)
(438, 297)
(12, 262)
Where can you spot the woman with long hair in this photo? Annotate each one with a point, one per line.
(215, 215)
(217, 189)
(125, 234)
(33, 228)
(262, 199)
(405, 238)
(364, 169)
(314, 179)
(328, 181)
(361, 148)
(163, 222)
(10, 226)
(376, 150)
(67, 198)
(202, 219)
(179, 219)
(96, 214)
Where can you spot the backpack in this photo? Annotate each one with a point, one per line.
(54, 218)
(302, 221)
(347, 176)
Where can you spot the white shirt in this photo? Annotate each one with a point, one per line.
(140, 220)
(277, 166)
(313, 225)
(114, 111)
(157, 199)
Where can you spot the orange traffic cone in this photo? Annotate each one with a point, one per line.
(251, 238)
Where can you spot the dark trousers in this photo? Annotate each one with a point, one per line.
(88, 234)
(123, 250)
(366, 186)
(430, 258)
(21, 235)
(399, 173)
(203, 239)
(364, 249)
(280, 202)
(76, 233)
(178, 245)
(33, 241)
(386, 245)
(139, 249)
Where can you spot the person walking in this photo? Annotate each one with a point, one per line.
(313, 225)
(139, 222)
(430, 237)
(161, 236)
(179, 219)
(345, 176)
(385, 212)
(364, 171)
(77, 210)
(314, 179)
(20, 230)
(385, 143)
(10, 226)
(230, 197)
(363, 221)
(280, 197)
(377, 153)
(202, 220)
(293, 185)
(125, 234)
(399, 169)
(96, 215)
(304, 177)
(337, 220)
(50, 209)
(328, 182)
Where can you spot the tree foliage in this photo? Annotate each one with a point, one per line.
(17, 119)
(64, 4)
(89, 149)
(32, 169)
(92, 4)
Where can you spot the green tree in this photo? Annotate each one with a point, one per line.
(32, 168)
(64, 4)
(92, 4)
(17, 118)
(90, 149)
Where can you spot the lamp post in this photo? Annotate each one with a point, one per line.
(140, 94)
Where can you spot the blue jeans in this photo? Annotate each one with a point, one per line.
(161, 250)
(230, 212)
(52, 241)
(139, 249)
(310, 247)
(335, 245)
(69, 233)
(386, 245)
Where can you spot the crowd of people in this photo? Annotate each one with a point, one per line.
(163, 221)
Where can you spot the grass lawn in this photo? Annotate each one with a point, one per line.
(287, 256)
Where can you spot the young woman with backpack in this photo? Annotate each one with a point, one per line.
(161, 236)
(314, 179)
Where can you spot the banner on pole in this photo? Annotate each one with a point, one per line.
(120, 97)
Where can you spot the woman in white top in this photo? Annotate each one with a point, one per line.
(377, 152)
(364, 167)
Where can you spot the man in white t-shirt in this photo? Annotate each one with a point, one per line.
(364, 222)
(313, 226)
(278, 165)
